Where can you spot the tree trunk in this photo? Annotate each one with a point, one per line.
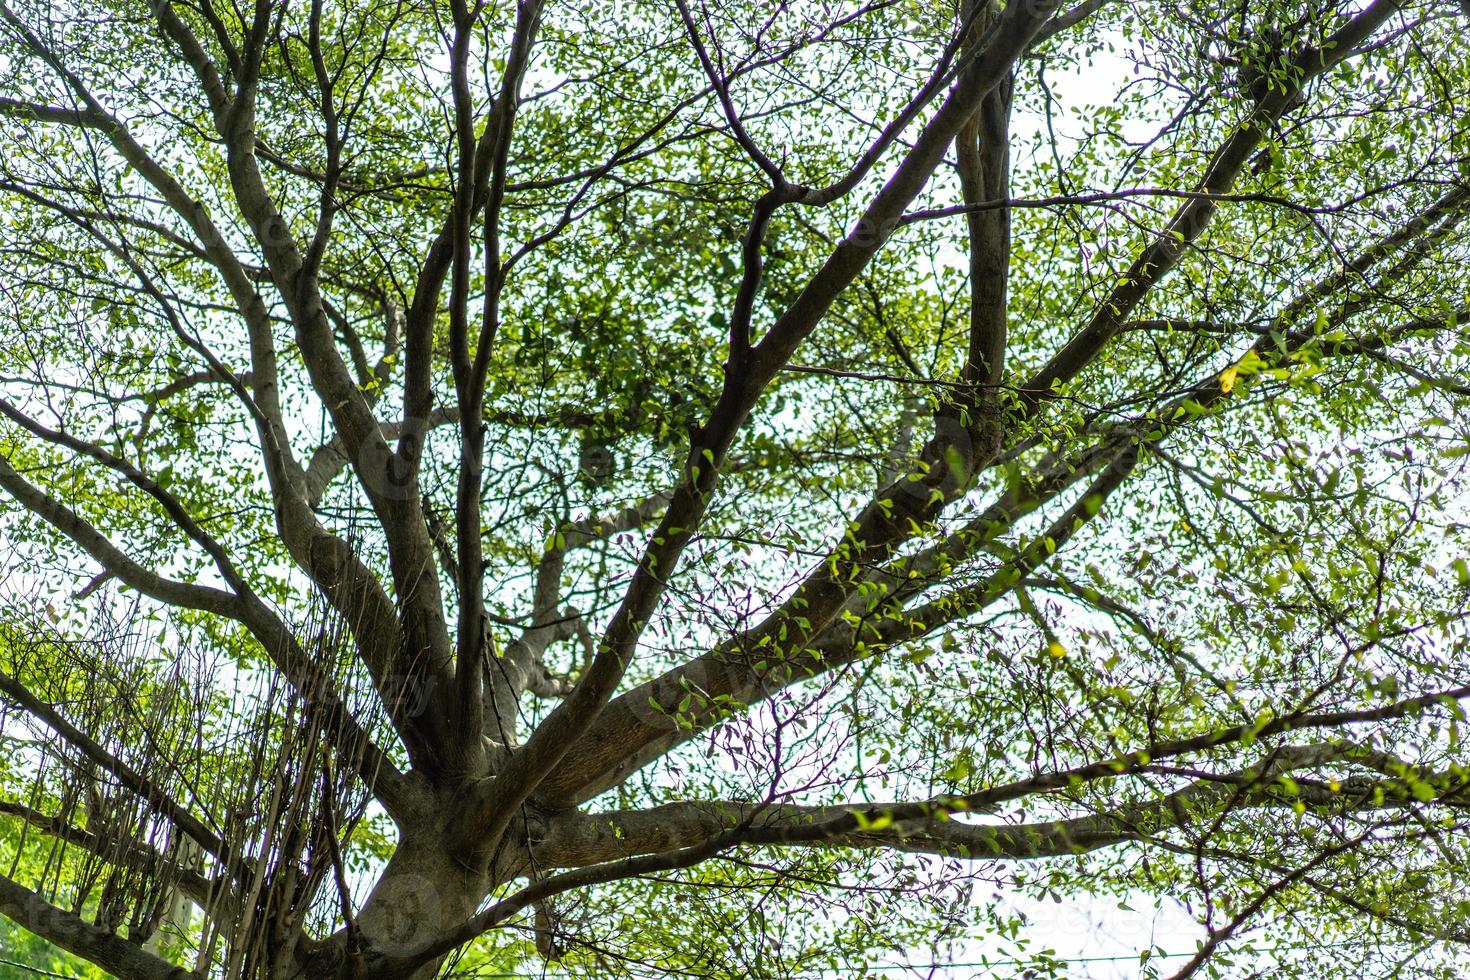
(422, 892)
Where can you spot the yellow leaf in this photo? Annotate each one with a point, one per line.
(1250, 362)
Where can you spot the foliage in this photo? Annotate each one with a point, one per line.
(740, 489)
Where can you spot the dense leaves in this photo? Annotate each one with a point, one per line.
(732, 489)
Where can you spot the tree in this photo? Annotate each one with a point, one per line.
(474, 472)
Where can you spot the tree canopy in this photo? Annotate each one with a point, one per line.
(672, 487)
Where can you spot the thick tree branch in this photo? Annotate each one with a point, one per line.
(136, 783)
(628, 738)
(983, 150)
(393, 495)
(471, 368)
(745, 380)
(579, 839)
(611, 846)
(243, 606)
(94, 543)
(349, 585)
(123, 959)
(1189, 222)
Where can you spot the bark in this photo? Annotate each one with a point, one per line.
(71, 932)
(427, 887)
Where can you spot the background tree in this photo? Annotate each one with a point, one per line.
(485, 473)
